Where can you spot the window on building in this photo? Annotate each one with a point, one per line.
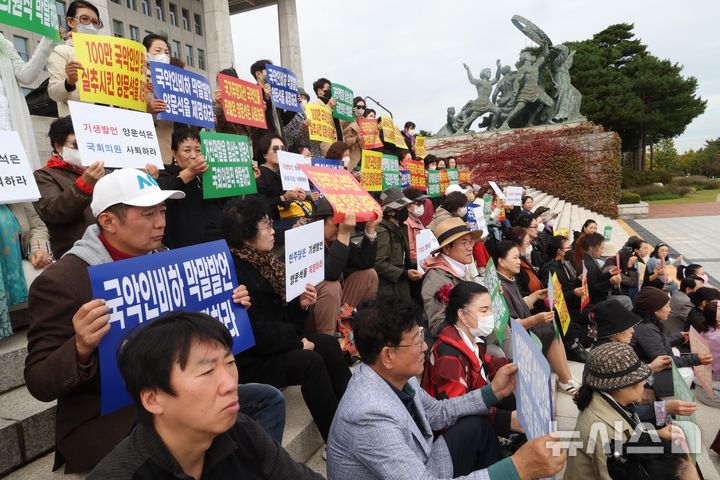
(172, 8)
(21, 45)
(198, 24)
(116, 1)
(60, 11)
(175, 49)
(159, 10)
(118, 29)
(201, 59)
(134, 33)
(132, 4)
(186, 19)
(189, 56)
(145, 7)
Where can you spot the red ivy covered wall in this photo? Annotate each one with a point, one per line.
(580, 164)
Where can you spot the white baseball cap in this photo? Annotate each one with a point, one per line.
(131, 187)
(454, 188)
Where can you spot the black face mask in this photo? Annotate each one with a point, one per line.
(401, 215)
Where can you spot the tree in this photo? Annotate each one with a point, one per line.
(630, 91)
(666, 156)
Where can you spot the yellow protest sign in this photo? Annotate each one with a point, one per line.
(388, 129)
(321, 127)
(371, 168)
(114, 71)
(560, 304)
(420, 151)
(399, 139)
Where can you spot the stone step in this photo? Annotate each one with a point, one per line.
(27, 428)
(317, 463)
(552, 205)
(540, 199)
(301, 438)
(13, 351)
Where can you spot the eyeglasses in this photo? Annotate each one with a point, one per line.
(87, 20)
(276, 148)
(359, 106)
(467, 243)
(266, 225)
(533, 226)
(419, 343)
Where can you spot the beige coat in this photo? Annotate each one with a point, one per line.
(596, 425)
(351, 136)
(60, 56)
(35, 234)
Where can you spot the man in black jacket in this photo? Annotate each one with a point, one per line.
(183, 378)
(349, 274)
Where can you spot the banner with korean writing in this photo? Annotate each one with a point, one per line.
(420, 150)
(188, 96)
(343, 192)
(425, 243)
(390, 171)
(513, 196)
(283, 88)
(322, 128)
(533, 391)
(453, 175)
(242, 101)
(444, 181)
(230, 171)
(433, 184)
(369, 133)
(343, 109)
(585, 298)
(464, 176)
(404, 179)
(200, 278)
(290, 174)
(399, 139)
(501, 313)
(476, 219)
(703, 373)
(304, 258)
(417, 174)
(327, 163)
(17, 183)
(118, 137)
(37, 16)
(682, 392)
(388, 129)
(371, 168)
(560, 305)
(496, 189)
(113, 71)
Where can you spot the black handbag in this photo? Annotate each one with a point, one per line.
(40, 103)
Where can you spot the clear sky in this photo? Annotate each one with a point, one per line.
(409, 54)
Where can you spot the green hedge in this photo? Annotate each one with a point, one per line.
(633, 178)
(698, 181)
(629, 197)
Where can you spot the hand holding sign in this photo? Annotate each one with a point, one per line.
(504, 382)
(91, 323)
(308, 297)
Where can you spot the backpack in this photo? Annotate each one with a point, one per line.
(346, 338)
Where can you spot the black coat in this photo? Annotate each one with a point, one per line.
(191, 220)
(598, 281)
(568, 284)
(269, 186)
(278, 328)
(341, 259)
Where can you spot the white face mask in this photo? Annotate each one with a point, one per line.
(646, 258)
(160, 57)
(89, 29)
(540, 227)
(418, 210)
(71, 156)
(411, 132)
(462, 211)
(704, 277)
(485, 325)
(346, 161)
(432, 167)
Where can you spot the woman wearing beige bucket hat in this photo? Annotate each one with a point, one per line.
(613, 381)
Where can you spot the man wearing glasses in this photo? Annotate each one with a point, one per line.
(385, 423)
(64, 70)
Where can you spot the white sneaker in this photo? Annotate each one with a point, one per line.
(570, 388)
(324, 454)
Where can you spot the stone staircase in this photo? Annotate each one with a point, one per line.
(572, 217)
(27, 426)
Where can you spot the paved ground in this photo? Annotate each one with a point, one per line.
(683, 210)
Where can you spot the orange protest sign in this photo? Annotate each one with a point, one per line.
(417, 174)
(444, 181)
(388, 129)
(369, 133)
(464, 176)
(343, 192)
(113, 71)
(371, 168)
(322, 128)
(420, 151)
(242, 101)
(560, 305)
(585, 299)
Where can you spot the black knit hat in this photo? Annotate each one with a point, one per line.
(611, 317)
(612, 366)
(650, 300)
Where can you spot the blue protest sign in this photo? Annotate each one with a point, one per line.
(199, 278)
(188, 95)
(404, 179)
(327, 163)
(533, 392)
(283, 88)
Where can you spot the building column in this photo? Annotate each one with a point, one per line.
(290, 38)
(218, 37)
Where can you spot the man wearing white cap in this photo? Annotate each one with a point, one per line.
(66, 324)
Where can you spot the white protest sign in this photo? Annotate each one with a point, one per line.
(304, 258)
(480, 222)
(290, 174)
(496, 189)
(514, 196)
(118, 137)
(17, 183)
(425, 242)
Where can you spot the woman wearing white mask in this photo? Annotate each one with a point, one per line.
(458, 362)
(158, 50)
(64, 70)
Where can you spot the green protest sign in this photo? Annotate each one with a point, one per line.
(343, 109)
(501, 312)
(37, 16)
(687, 423)
(433, 183)
(390, 171)
(453, 175)
(230, 170)
(487, 206)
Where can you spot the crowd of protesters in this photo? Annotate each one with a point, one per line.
(434, 396)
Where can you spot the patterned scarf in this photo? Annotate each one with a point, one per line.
(269, 266)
